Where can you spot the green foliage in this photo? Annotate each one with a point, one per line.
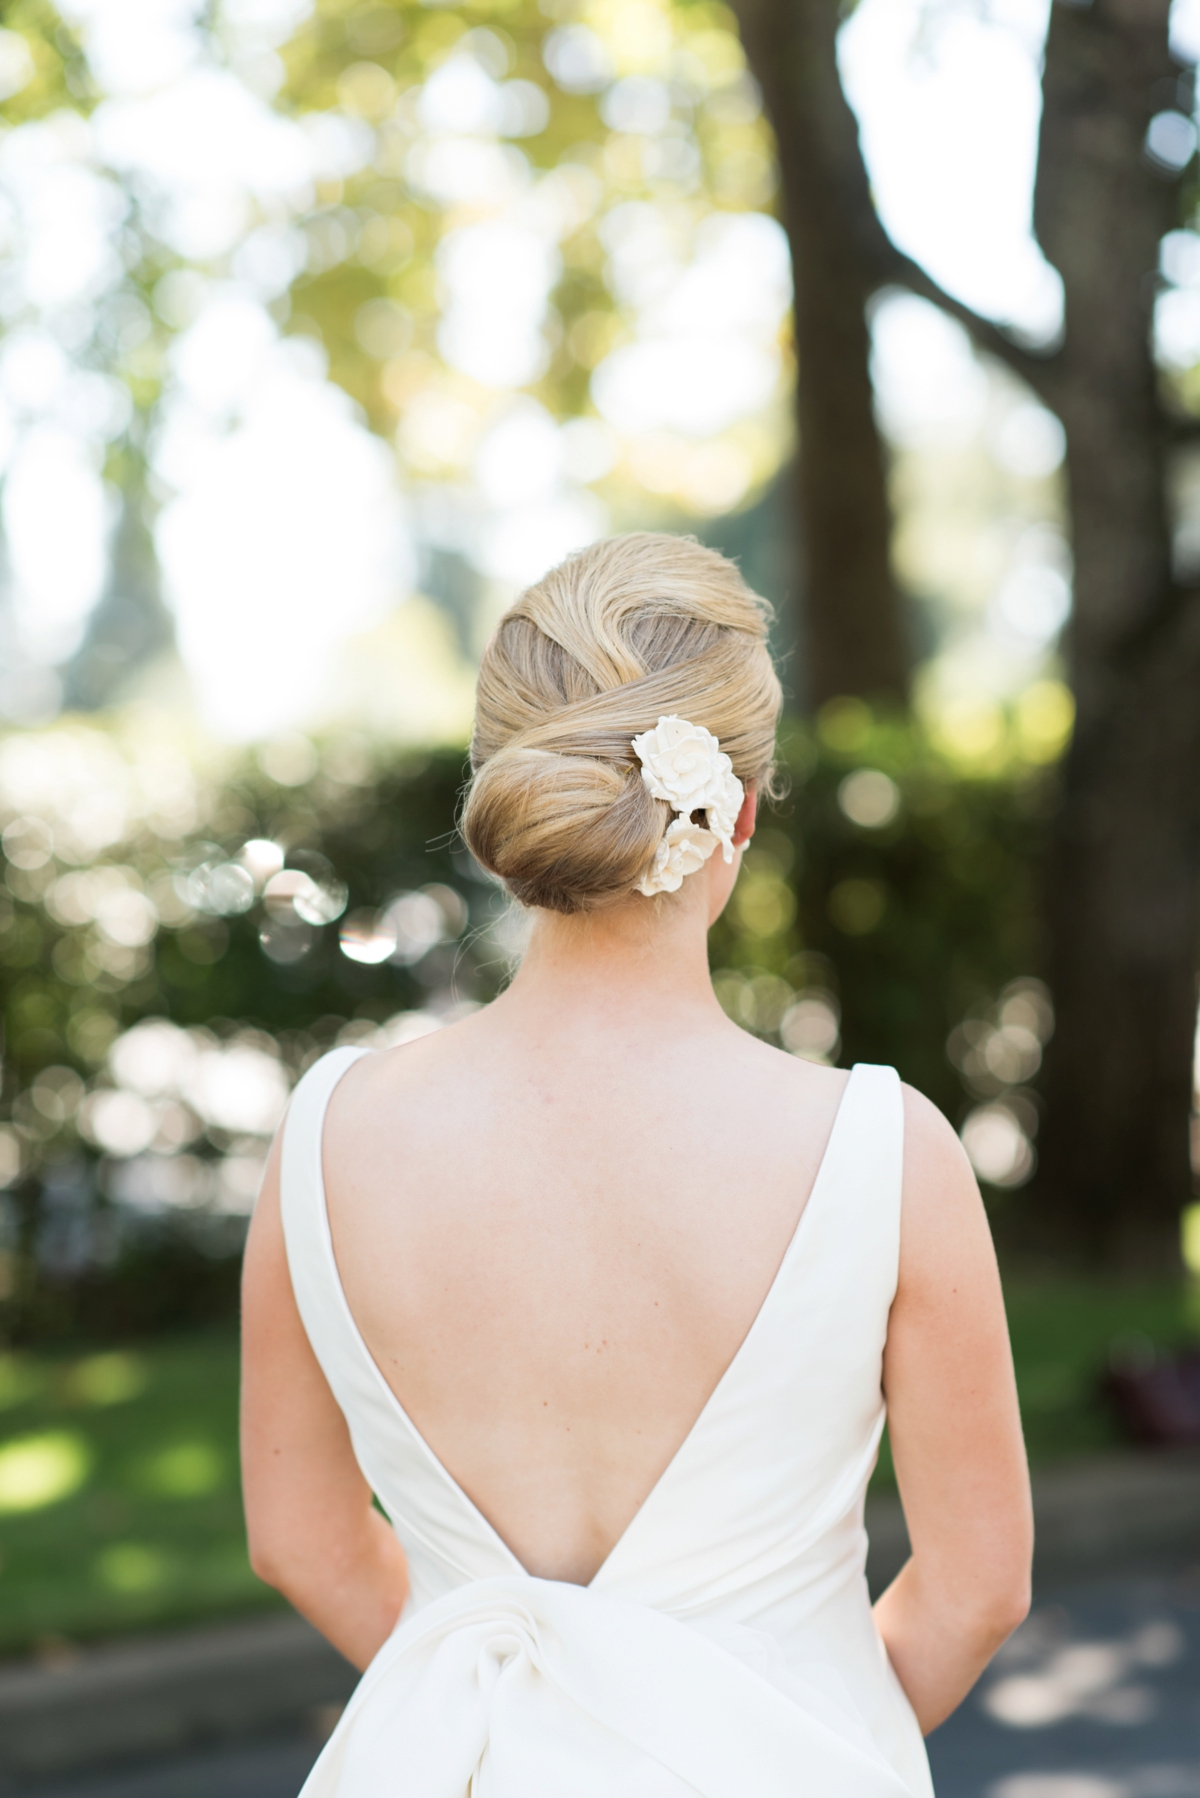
(58, 73)
(371, 288)
(1063, 1335)
(908, 923)
(68, 987)
(886, 903)
(75, 1260)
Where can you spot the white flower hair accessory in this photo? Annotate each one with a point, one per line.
(685, 765)
(684, 848)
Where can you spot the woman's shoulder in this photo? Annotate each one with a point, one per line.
(937, 1175)
(941, 1205)
(932, 1149)
(368, 1076)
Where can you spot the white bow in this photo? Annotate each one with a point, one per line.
(516, 1687)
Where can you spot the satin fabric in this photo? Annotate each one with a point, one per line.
(726, 1647)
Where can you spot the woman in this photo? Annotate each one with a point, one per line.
(601, 1297)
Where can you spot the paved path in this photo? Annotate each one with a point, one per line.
(268, 1769)
(1097, 1696)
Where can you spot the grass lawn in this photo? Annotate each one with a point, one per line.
(119, 1504)
(1061, 1335)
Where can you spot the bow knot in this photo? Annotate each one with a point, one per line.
(523, 1688)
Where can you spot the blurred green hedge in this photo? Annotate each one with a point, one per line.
(914, 923)
(885, 908)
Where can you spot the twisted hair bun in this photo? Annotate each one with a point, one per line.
(607, 643)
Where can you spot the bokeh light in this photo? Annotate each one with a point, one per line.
(479, 296)
(869, 798)
(997, 1054)
(36, 1471)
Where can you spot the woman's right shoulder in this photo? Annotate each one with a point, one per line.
(934, 1157)
(942, 1212)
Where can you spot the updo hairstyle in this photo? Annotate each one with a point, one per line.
(614, 638)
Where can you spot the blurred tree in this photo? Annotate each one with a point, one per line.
(130, 623)
(856, 636)
(122, 339)
(56, 74)
(590, 151)
(852, 618)
(371, 291)
(1123, 868)
(1123, 886)
(646, 111)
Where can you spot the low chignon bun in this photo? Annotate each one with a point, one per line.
(610, 641)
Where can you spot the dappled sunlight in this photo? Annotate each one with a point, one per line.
(797, 1009)
(111, 1378)
(36, 1471)
(1071, 1785)
(978, 732)
(1191, 1234)
(112, 878)
(1042, 1676)
(1092, 1697)
(185, 1470)
(869, 798)
(131, 1569)
(393, 292)
(155, 1532)
(409, 188)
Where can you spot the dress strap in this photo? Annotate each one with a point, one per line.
(346, 1362)
(865, 1175)
(306, 1233)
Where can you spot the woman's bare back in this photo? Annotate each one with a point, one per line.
(554, 1242)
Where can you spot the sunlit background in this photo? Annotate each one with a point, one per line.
(325, 326)
(557, 348)
(304, 374)
(308, 366)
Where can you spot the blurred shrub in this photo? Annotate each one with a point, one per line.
(887, 912)
(174, 953)
(895, 893)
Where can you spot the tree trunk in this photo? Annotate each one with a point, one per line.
(1122, 887)
(1123, 878)
(851, 626)
(130, 626)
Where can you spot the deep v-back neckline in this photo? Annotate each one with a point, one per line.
(726, 1378)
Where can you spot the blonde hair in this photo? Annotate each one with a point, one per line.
(601, 648)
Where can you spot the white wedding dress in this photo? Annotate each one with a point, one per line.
(726, 1647)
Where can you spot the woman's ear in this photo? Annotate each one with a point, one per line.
(747, 818)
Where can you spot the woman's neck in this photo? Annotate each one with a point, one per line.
(624, 963)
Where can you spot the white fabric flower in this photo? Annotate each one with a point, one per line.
(722, 809)
(679, 761)
(684, 848)
(685, 765)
